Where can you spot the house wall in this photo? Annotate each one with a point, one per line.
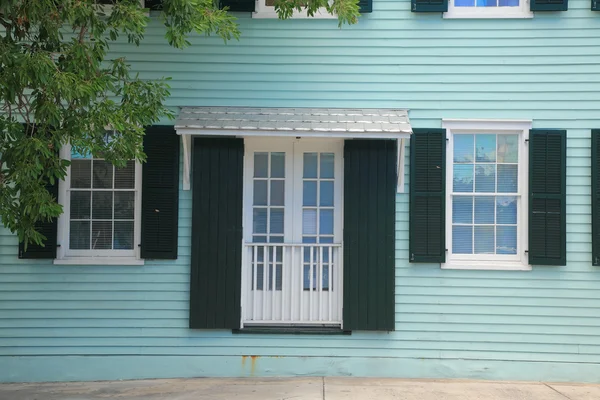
(111, 322)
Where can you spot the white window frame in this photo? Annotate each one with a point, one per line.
(522, 11)
(490, 262)
(65, 256)
(264, 11)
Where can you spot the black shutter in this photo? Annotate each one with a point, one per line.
(549, 5)
(429, 6)
(595, 5)
(153, 5)
(369, 234)
(48, 229)
(215, 282)
(365, 6)
(547, 197)
(596, 196)
(238, 5)
(160, 193)
(427, 235)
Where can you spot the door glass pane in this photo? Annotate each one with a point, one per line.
(309, 193)
(260, 192)
(260, 220)
(277, 192)
(326, 195)
(277, 165)
(327, 160)
(276, 220)
(261, 165)
(309, 222)
(326, 222)
(310, 165)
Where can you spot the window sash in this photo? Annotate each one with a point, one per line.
(521, 185)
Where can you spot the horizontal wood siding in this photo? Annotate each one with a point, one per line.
(448, 323)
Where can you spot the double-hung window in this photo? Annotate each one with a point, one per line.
(101, 218)
(486, 194)
(488, 9)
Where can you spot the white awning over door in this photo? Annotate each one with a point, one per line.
(293, 122)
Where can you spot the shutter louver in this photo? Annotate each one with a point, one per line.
(49, 230)
(596, 197)
(547, 197)
(160, 193)
(428, 196)
(429, 6)
(238, 5)
(365, 6)
(215, 281)
(369, 234)
(549, 5)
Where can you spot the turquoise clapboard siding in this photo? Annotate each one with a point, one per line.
(131, 322)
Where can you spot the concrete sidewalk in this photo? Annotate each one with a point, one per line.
(299, 389)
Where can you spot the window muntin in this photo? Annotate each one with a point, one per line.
(485, 194)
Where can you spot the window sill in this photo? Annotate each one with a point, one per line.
(487, 265)
(470, 14)
(125, 261)
(278, 330)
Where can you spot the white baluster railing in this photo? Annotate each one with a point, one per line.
(292, 284)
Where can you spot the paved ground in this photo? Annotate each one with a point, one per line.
(299, 389)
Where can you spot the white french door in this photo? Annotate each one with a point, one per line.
(292, 255)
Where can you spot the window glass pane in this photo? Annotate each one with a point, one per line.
(309, 239)
(509, 3)
(464, 3)
(80, 205)
(123, 235)
(101, 235)
(276, 220)
(276, 239)
(309, 193)
(326, 194)
(124, 205)
(484, 240)
(326, 222)
(484, 210)
(506, 210)
(277, 165)
(277, 193)
(462, 209)
(508, 149)
(309, 222)
(79, 235)
(259, 239)
(508, 178)
(260, 192)
(463, 148)
(261, 165)
(259, 218)
(463, 178)
(81, 174)
(310, 165)
(485, 148)
(102, 205)
(125, 177)
(103, 174)
(326, 239)
(506, 241)
(327, 165)
(462, 239)
(486, 3)
(485, 178)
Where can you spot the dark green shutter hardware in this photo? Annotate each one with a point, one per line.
(429, 6)
(160, 193)
(216, 265)
(365, 6)
(370, 179)
(595, 5)
(238, 5)
(427, 236)
(48, 229)
(547, 197)
(549, 5)
(596, 197)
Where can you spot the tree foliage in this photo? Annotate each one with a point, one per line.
(58, 86)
